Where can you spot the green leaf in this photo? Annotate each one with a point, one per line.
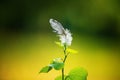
(69, 50)
(78, 74)
(75, 74)
(45, 69)
(57, 65)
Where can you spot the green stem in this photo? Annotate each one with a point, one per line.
(65, 57)
(62, 73)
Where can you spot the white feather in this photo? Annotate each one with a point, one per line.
(58, 28)
(64, 34)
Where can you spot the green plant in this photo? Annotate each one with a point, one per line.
(58, 63)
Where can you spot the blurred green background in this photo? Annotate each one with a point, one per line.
(27, 40)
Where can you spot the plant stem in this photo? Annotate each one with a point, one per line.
(65, 57)
(62, 73)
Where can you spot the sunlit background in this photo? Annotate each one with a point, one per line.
(27, 41)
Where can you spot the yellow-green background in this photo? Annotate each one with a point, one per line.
(27, 41)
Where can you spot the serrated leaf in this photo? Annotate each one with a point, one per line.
(78, 74)
(69, 50)
(45, 69)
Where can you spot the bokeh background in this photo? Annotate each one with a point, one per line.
(27, 40)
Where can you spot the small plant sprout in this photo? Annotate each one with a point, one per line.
(65, 38)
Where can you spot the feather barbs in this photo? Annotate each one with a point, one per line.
(64, 34)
